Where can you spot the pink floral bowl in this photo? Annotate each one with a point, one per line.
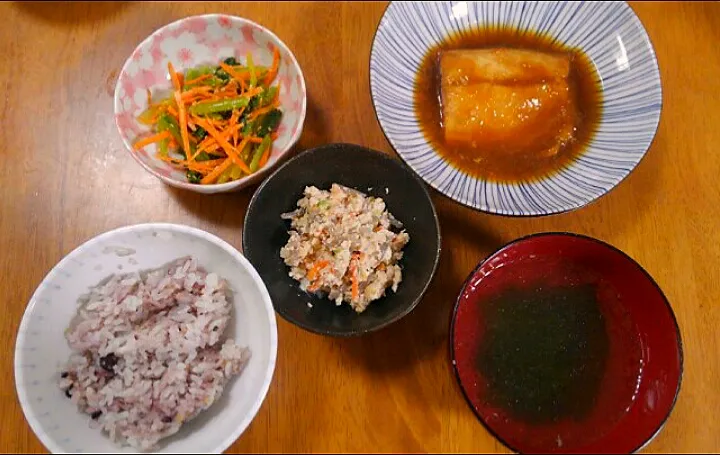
(203, 40)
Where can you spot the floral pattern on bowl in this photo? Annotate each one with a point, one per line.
(201, 40)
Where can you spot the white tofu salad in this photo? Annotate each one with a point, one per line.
(344, 244)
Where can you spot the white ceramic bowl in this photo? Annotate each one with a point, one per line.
(41, 348)
(205, 40)
(609, 33)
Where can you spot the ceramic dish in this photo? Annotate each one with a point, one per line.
(372, 173)
(601, 377)
(203, 40)
(610, 34)
(41, 348)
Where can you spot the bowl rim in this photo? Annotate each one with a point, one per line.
(544, 213)
(213, 187)
(673, 317)
(426, 194)
(19, 375)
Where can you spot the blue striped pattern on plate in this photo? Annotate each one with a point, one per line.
(610, 34)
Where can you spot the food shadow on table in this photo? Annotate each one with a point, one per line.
(425, 330)
(315, 129)
(633, 199)
(222, 210)
(49, 11)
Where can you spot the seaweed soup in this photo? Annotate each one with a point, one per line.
(545, 352)
(557, 350)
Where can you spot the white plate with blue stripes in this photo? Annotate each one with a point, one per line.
(610, 34)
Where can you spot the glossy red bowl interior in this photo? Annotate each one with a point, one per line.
(641, 377)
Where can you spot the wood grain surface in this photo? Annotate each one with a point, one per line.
(66, 177)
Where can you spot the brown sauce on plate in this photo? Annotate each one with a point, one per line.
(526, 157)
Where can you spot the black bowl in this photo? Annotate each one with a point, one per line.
(372, 173)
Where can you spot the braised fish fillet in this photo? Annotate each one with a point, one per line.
(507, 100)
(462, 67)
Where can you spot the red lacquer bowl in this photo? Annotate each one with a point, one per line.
(639, 380)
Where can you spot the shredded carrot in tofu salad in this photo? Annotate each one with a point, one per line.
(220, 122)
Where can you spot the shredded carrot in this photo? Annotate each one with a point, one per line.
(353, 275)
(207, 163)
(174, 77)
(229, 69)
(215, 122)
(212, 148)
(198, 79)
(204, 167)
(197, 92)
(172, 111)
(178, 161)
(241, 164)
(256, 140)
(232, 124)
(183, 121)
(151, 139)
(207, 141)
(312, 273)
(234, 118)
(266, 156)
(229, 149)
(169, 159)
(208, 145)
(230, 89)
(155, 118)
(241, 75)
(355, 287)
(274, 68)
(212, 176)
(258, 112)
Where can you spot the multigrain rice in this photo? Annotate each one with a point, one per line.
(149, 352)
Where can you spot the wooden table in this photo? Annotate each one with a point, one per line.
(65, 177)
